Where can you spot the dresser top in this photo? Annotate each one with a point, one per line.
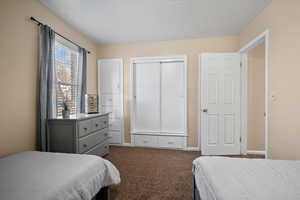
(81, 116)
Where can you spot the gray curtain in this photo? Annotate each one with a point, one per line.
(83, 80)
(46, 90)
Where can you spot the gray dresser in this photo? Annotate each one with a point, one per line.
(83, 134)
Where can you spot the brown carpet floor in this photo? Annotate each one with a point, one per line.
(152, 174)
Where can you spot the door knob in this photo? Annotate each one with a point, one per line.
(204, 110)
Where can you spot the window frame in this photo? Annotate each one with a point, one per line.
(76, 84)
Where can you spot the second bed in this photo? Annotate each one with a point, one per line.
(221, 178)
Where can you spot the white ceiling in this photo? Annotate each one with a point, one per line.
(123, 21)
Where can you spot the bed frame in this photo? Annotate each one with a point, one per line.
(196, 195)
(103, 194)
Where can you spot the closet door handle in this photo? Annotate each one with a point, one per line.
(204, 110)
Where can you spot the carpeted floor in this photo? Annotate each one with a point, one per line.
(152, 174)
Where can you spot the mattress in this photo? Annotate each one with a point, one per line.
(221, 178)
(54, 176)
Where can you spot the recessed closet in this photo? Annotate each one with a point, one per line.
(158, 109)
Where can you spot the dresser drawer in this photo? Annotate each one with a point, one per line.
(91, 140)
(99, 150)
(84, 127)
(99, 123)
(170, 142)
(145, 140)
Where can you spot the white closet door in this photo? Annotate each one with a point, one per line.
(110, 79)
(109, 71)
(172, 97)
(147, 97)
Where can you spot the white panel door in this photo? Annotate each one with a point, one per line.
(147, 97)
(110, 77)
(110, 72)
(172, 97)
(220, 104)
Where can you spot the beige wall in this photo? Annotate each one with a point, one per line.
(18, 70)
(282, 20)
(191, 48)
(256, 98)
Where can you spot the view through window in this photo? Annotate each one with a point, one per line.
(67, 81)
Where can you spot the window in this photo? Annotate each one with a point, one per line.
(67, 76)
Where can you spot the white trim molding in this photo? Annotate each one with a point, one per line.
(199, 99)
(192, 149)
(131, 145)
(252, 152)
(127, 145)
(122, 145)
(264, 37)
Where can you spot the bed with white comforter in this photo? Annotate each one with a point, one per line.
(54, 176)
(221, 178)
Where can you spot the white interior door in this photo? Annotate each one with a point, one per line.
(109, 71)
(110, 81)
(172, 97)
(220, 104)
(147, 97)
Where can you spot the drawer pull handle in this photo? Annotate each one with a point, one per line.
(85, 128)
(105, 134)
(84, 145)
(170, 142)
(105, 147)
(96, 125)
(145, 141)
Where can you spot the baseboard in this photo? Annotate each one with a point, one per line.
(117, 145)
(256, 152)
(127, 145)
(192, 149)
(122, 145)
(131, 145)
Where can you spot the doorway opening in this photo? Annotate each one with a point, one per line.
(255, 96)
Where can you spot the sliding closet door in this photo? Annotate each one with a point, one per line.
(172, 97)
(147, 97)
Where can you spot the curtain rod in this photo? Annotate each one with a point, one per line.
(40, 23)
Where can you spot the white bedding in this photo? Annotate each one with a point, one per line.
(220, 178)
(54, 176)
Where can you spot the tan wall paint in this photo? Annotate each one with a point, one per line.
(18, 58)
(282, 20)
(191, 48)
(256, 98)
(18, 70)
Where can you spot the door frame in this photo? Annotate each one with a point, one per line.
(263, 37)
(174, 58)
(121, 92)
